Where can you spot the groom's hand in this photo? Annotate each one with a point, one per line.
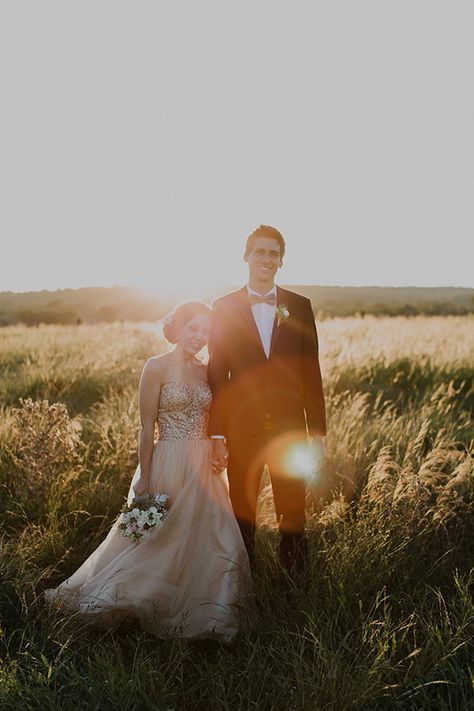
(219, 455)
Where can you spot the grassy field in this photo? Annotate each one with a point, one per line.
(388, 621)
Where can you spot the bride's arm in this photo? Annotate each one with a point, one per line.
(148, 396)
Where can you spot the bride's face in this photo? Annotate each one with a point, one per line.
(195, 334)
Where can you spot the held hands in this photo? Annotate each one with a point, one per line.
(220, 456)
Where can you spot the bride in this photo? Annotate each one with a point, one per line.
(190, 575)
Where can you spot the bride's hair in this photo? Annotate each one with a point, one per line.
(175, 320)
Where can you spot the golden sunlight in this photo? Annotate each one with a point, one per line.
(299, 461)
(292, 455)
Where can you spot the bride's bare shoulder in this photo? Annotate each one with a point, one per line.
(158, 361)
(155, 366)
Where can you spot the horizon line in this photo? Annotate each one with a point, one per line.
(149, 291)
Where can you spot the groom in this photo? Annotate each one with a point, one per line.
(267, 395)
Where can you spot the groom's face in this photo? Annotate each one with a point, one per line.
(264, 260)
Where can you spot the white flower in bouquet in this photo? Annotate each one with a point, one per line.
(142, 515)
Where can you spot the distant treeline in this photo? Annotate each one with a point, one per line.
(102, 304)
(330, 301)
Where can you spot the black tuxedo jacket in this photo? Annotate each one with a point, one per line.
(252, 393)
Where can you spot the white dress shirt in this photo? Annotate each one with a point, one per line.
(264, 315)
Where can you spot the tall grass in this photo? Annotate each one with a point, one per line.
(388, 619)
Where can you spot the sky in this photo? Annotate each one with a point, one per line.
(141, 142)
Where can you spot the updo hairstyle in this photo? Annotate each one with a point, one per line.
(175, 320)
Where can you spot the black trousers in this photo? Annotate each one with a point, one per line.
(245, 467)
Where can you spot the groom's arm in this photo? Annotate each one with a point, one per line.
(218, 373)
(313, 395)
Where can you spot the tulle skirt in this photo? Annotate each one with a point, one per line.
(189, 576)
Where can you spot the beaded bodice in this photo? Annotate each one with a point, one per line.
(183, 410)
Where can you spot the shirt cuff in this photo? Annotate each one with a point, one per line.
(216, 437)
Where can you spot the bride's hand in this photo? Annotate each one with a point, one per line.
(141, 486)
(219, 456)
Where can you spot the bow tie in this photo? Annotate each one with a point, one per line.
(267, 299)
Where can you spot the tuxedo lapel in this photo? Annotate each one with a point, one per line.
(245, 312)
(280, 299)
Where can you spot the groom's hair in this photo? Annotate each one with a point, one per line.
(264, 231)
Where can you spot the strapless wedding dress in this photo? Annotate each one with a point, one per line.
(190, 576)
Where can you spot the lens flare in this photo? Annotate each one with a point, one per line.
(292, 456)
(299, 461)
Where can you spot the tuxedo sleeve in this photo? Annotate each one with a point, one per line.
(313, 395)
(218, 373)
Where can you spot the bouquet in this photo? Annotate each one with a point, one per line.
(142, 515)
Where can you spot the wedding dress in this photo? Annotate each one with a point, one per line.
(190, 575)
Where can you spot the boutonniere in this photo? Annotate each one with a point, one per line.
(282, 313)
